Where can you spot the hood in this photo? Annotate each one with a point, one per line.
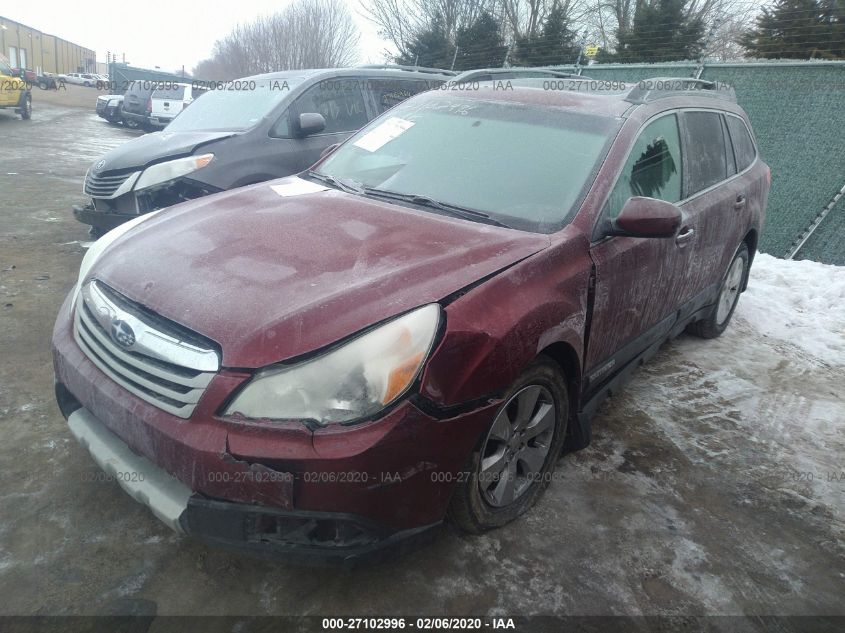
(270, 278)
(155, 148)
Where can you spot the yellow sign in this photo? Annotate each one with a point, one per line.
(591, 51)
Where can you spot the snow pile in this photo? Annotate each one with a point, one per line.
(798, 302)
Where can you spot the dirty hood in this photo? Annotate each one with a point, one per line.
(271, 277)
(154, 148)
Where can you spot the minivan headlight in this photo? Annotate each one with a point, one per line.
(353, 381)
(162, 172)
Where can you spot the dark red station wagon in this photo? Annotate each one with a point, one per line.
(329, 365)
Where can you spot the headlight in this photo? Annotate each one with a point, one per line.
(351, 382)
(113, 102)
(162, 172)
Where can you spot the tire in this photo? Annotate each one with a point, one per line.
(43, 85)
(26, 107)
(132, 125)
(719, 316)
(481, 501)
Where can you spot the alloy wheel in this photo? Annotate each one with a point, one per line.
(730, 290)
(517, 446)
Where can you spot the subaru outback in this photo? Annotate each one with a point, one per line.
(330, 365)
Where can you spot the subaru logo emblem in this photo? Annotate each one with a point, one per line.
(122, 333)
(99, 165)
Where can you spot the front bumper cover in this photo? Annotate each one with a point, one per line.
(304, 537)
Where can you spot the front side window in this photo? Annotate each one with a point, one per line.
(340, 101)
(653, 168)
(743, 145)
(527, 166)
(705, 151)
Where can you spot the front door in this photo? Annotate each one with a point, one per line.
(638, 280)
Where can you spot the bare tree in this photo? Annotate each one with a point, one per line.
(306, 34)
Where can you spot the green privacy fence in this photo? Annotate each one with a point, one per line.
(798, 113)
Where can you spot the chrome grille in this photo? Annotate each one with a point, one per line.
(103, 186)
(153, 360)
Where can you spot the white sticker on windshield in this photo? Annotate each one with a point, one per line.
(384, 133)
(297, 187)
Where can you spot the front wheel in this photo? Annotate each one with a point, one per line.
(719, 316)
(514, 463)
(26, 107)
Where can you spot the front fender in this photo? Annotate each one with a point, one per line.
(498, 328)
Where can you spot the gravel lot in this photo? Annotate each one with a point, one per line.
(691, 499)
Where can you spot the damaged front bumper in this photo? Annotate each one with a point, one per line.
(299, 536)
(332, 495)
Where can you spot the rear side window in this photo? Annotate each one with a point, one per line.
(704, 151)
(387, 93)
(743, 145)
(653, 168)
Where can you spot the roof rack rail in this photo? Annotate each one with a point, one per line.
(647, 90)
(418, 69)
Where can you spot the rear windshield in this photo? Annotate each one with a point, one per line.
(528, 166)
(238, 106)
(175, 93)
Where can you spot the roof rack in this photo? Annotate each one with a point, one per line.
(418, 69)
(647, 90)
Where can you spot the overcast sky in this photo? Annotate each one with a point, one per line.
(165, 33)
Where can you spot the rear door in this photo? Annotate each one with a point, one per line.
(637, 280)
(714, 201)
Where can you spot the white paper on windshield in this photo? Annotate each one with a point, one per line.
(297, 187)
(384, 133)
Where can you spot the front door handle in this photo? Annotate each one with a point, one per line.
(740, 202)
(684, 236)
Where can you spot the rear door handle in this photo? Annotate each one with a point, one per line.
(740, 202)
(684, 236)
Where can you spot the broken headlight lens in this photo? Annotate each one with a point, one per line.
(353, 381)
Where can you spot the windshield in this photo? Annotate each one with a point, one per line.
(527, 166)
(235, 105)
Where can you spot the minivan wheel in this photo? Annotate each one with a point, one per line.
(516, 457)
(719, 316)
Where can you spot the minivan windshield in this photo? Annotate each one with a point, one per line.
(525, 165)
(236, 105)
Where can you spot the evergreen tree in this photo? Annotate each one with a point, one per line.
(430, 47)
(798, 29)
(661, 32)
(554, 46)
(480, 45)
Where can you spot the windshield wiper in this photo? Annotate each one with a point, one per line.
(424, 201)
(349, 186)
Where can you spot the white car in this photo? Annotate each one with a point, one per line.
(88, 80)
(169, 100)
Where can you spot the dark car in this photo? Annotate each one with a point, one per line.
(110, 108)
(135, 111)
(330, 364)
(240, 133)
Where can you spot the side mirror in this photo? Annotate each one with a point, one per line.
(646, 217)
(311, 123)
(329, 150)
